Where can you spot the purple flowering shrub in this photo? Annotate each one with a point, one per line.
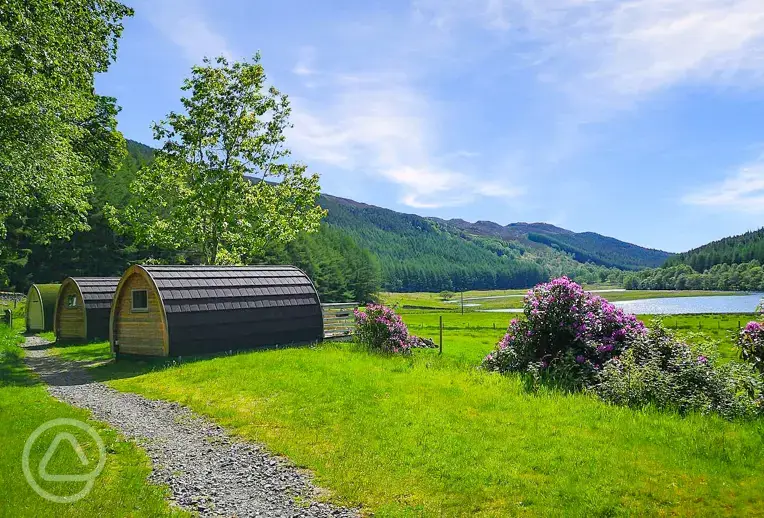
(380, 328)
(751, 343)
(566, 329)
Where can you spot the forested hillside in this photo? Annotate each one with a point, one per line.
(341, 270)
(742, 276)
(584, 246)
(358, 250)
(417, 255)
(732, 263)
(730, 250)
(423, 254)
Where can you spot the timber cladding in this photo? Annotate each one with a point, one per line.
(83, 307)
(180, 310)
(41, 306)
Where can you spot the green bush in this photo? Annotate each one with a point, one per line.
(751, 343)
(657, 369)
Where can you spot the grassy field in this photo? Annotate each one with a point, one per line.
(120, 490)
(432, 436)
(471, 336)
(500, 299)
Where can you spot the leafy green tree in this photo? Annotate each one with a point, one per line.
(221, 186)
(54, 130)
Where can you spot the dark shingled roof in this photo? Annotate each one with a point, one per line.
(97, 292)
(217, 308)
(217, 288)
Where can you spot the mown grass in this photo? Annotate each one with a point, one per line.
(471, 336)
(512, 299)
(430, 436)
(121, 489)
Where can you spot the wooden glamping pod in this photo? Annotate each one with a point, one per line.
(41, 305)
(180, 310)
(83, 308)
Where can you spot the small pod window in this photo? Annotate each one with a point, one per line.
(71, 301)
(140, 301)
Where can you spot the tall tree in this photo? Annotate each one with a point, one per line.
(221, 186)
(54, 129)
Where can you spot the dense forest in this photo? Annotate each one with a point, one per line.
(742, 276)
(605, 251)
(341, 270)
(732, 263)
(730, 250)
(358, 250)
(584, 247)
(421, 254)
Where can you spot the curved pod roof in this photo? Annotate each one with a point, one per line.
(94, 296)
(204, 309)
(40, 307)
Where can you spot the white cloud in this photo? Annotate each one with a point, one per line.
(608, 53)
(304, 65)
(742, 191)
(185, 24)
(377, 124)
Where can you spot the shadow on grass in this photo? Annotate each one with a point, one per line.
(13, 371)
(130, 366)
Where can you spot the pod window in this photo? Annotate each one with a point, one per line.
(71, 301)
(140, 301)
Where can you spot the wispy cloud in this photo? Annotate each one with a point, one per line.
(609, 52)
(304, 65)
(377, 124)
(185, 24)
(742, 191)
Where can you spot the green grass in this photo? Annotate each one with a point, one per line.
(471, 336)
(719, 329)
(120, 490)
(430, 436)
(88, 353)
(410, 301)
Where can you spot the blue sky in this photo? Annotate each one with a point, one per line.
(638, 119)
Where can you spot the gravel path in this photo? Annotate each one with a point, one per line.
(207, 471)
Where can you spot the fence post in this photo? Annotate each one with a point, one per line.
(440, 351)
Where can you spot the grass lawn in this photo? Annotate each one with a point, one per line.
(120, 490)
(471, 336)
(406, 302)
(432, 436)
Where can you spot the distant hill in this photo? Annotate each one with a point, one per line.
(426, 254)
(730, 250)
(415, 253)
(584, 247)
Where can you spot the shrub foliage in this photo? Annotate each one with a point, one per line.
(565, 328)
(751, 342)
(582, 342)
(657, 369)
(379, 328)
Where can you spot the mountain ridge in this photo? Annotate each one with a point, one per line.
(417, 253)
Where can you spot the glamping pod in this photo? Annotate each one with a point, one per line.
(180, 310)
(83, 307)
(41, 305)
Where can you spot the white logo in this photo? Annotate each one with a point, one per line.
(42, 470)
